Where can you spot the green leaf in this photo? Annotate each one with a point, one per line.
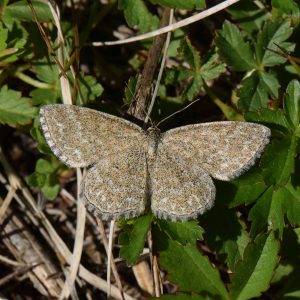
(130, 90)
(278, 161)
(90, 89)
(3, 37)
(225, 234)
(47, 72)
(14, 109)
(268, 211)
(20, 11)
(253, 275)
(181, 4)
(292, 203)
(248, 15)
(272, 118)
(51, 187)
(245, 189)
(183, 232)
(233, 49)
(132, 239)
(273, 34)
(44, 167)
(196, 274)
(190, 54)
(198, 71)
(44, 96)
(257, 89)
(292, 102)
(137, 14)
(36, 179)
(211, 67)
(181, 297)
(286, 6)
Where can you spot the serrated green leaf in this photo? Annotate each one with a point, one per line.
(196, 274)
(225, 234)
(20, 11)
(292, 203)
(273, 118)
(132, 238)
(291, 103)
(248, 15)
(233, 49)
(181, 4)
(190, 54)
(14, 109)
(245, 189)
(44, 166)
(194, 86)
(47, 72)
(183, 232)
(44, 96)
(278, 161)
(273, 34)
(256, 90)
(90, 89)
(268, 212)
(137, 14)
(286, 6)
(198, 71)
(253, 275)
(211, 67)
(3, 37)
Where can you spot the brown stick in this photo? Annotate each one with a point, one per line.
(139, 106)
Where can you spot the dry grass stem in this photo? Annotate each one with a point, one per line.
(202, 15)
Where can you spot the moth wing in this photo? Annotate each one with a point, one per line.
(223, 149)
(180, 190)
(80, 136)
(115, 187)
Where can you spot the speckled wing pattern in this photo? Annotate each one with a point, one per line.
(80, 136)
(181, 189)
(112, 148)
(122, 174)
(115, 187)
(224, 149)
(187, 156)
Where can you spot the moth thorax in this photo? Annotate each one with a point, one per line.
(153, 139)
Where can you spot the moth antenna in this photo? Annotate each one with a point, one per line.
(177, 112)
(109, 257)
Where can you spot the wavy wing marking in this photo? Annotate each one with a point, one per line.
(224, 149)
(115, 187)
(80, 136)
(180, 190)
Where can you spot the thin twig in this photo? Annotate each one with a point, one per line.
(78, 244)
(45, 38)
(113, 264)
(109, 256)
(10, 195)
(162, 66)
(143, 89)
(202, 15)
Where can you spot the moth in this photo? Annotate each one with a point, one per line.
(129, 168)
